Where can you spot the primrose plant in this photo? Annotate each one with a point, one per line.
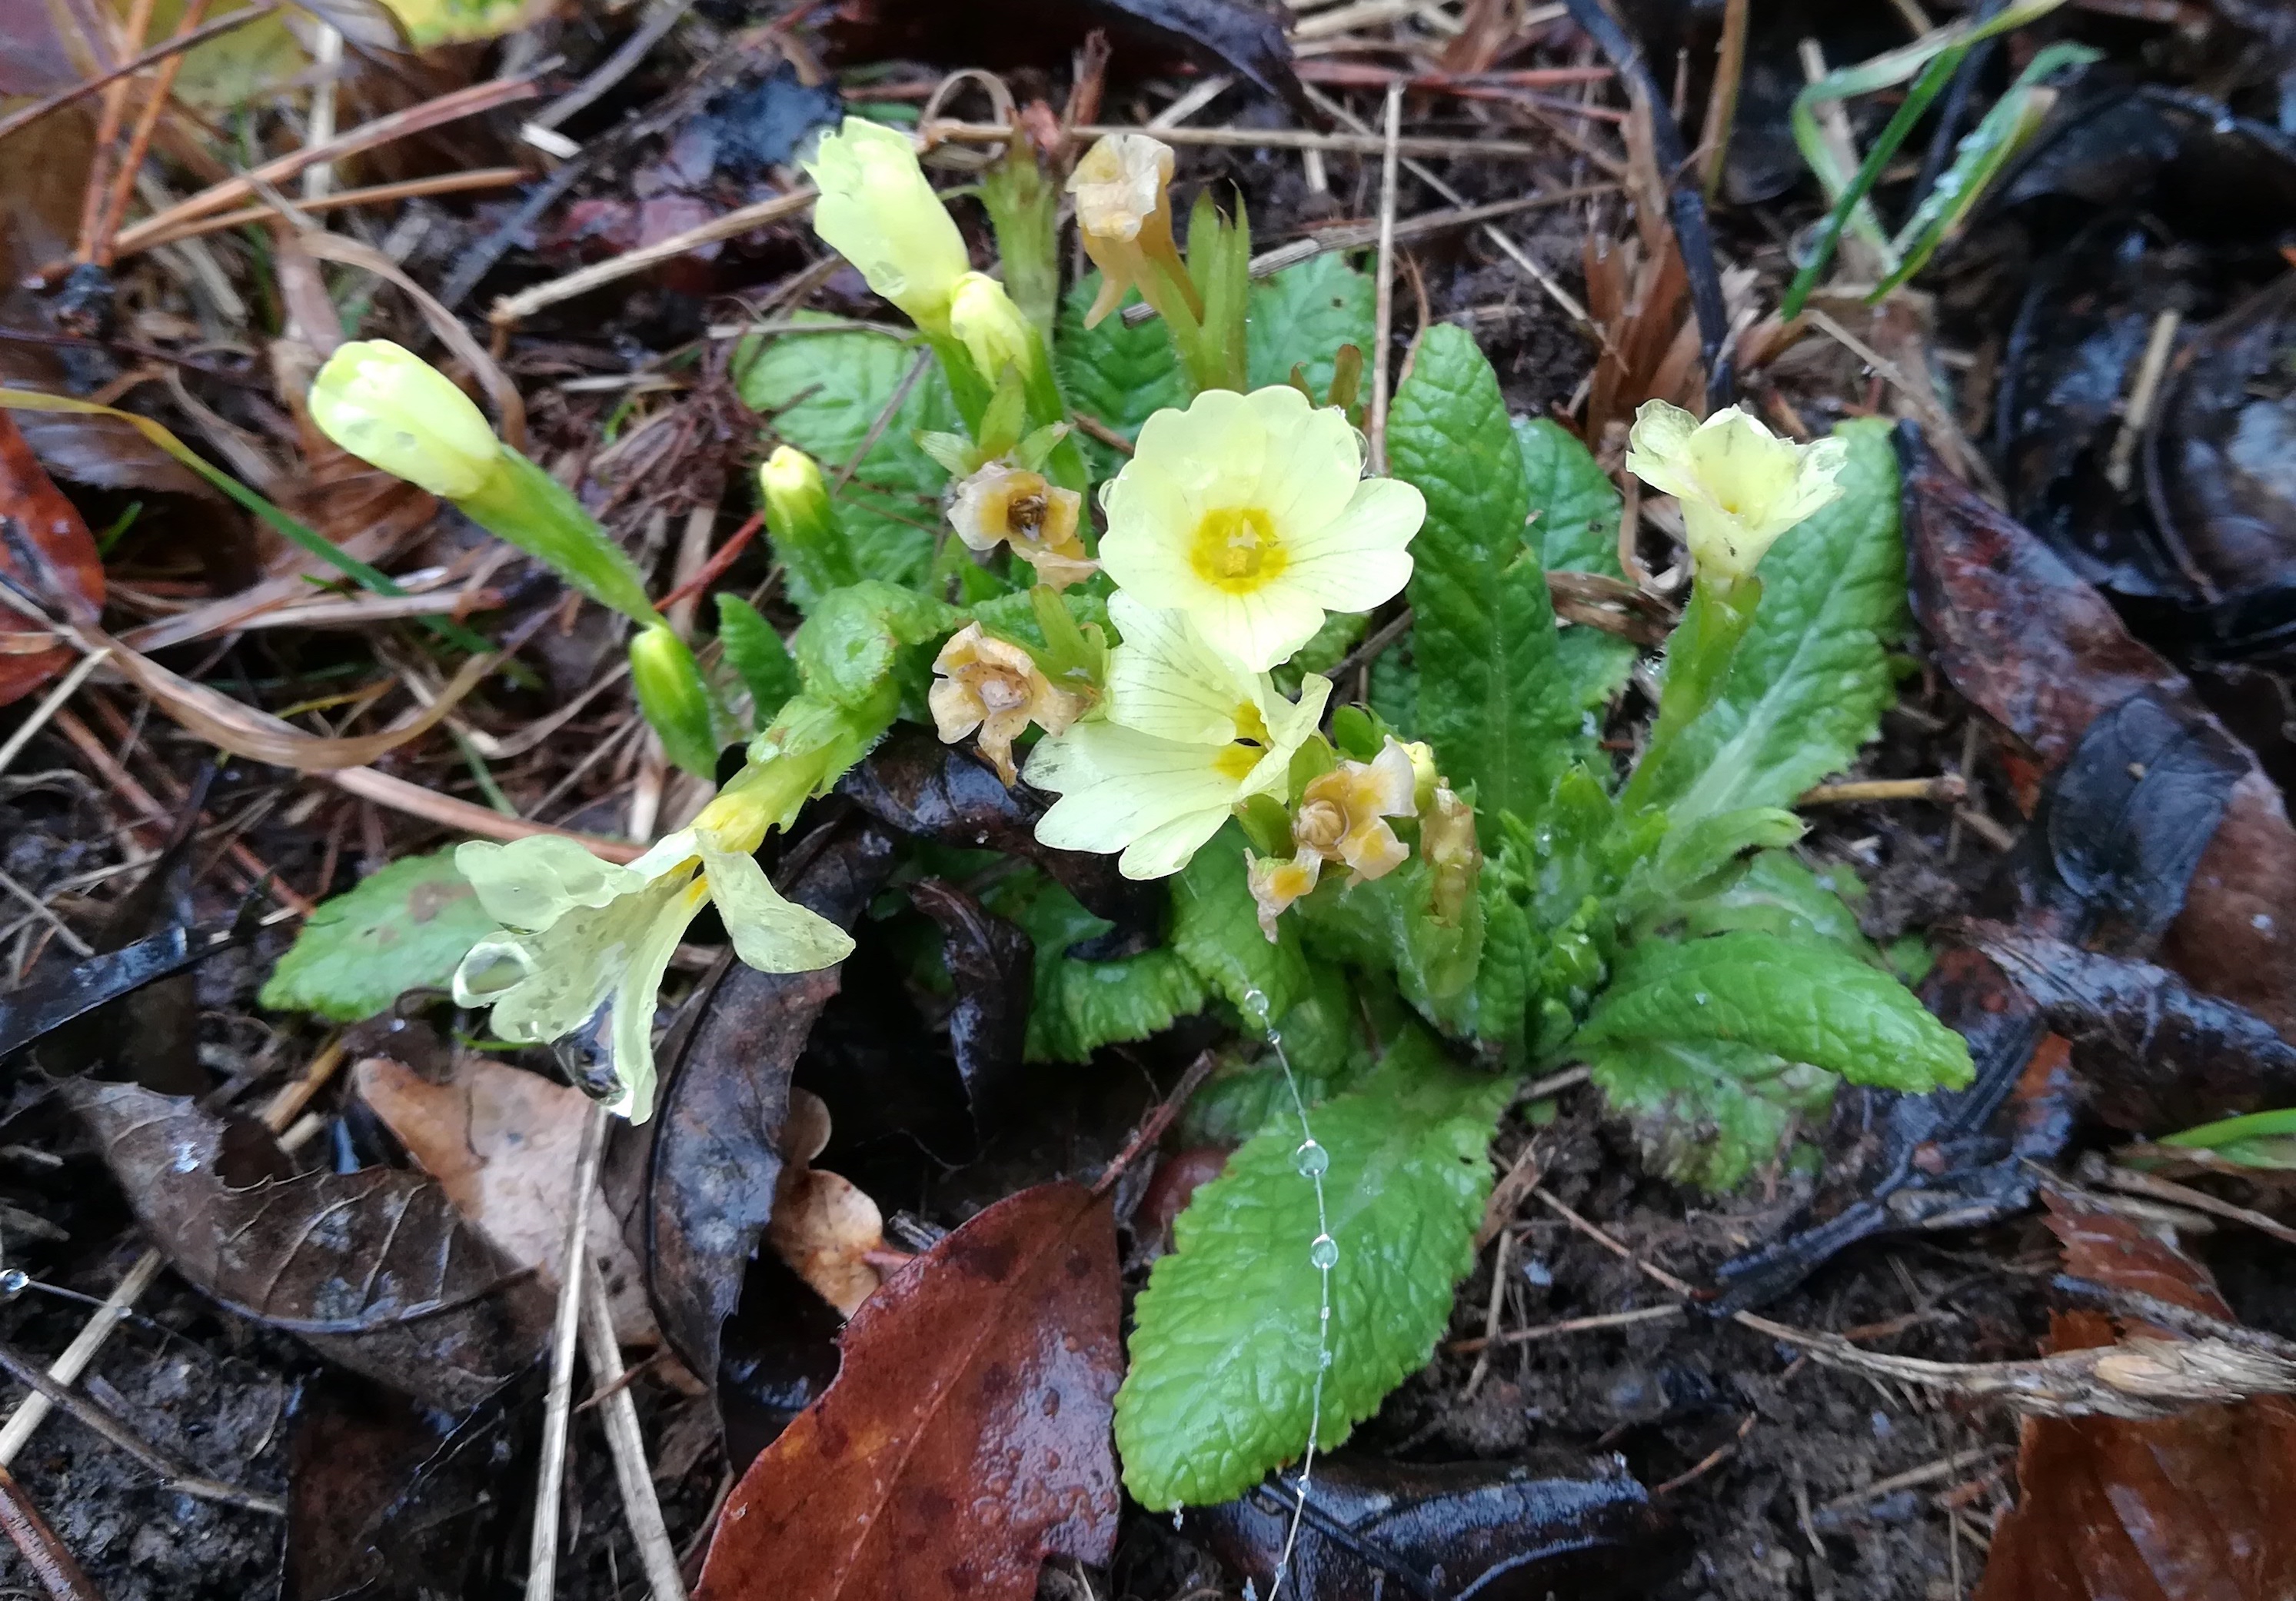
(1405, 866)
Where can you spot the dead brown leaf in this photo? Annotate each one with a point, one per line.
(502, 1143)
(822, 1225)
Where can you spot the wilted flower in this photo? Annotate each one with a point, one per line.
(1276, 881)
(1446, 839)
(1739, 484)
(581, 934)
(1342, 816)
(1187, 732)
(1003, 505)
(1124, 216)
(393, 410)
(1250, 513)
(987, 684)
(877, 210)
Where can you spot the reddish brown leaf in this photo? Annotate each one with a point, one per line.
(47, 551)
(2184, 1509)
(966, 1438)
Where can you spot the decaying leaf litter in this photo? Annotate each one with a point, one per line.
(1560, 1145)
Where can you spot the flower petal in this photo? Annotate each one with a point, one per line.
(1361, 557)
(531, 883)
(1161, 852)
(637, 994)
(1658, 447)
(571, 967)
(770, 933)
(1167, 680)
(1117, 785)
(1313, 460)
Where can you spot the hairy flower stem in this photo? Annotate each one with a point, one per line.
(1698, 659)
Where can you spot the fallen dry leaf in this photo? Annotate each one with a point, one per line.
(967, 1436)
(503, 1143)
(822, 1225)
(2191, 1508)
(46, 550)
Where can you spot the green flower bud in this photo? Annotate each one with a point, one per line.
(674, 698)
(991, 328)
(393, 410)
(807, 534)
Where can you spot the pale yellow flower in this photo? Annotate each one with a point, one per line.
(1124, 216)
(987, 684)
(1250, 513)
(393, 410)
(877, 210)
(1740, 485)
(1186, 732)
(1277, 882)
(581, 933)
(1004, 504)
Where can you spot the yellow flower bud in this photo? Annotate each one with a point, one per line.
(807, 535)
(877, 210)
(997, 687)
(393, 410)
(993, 330)
(1740, 486)
(675, 698)
(1124, 215)
(1447, 839)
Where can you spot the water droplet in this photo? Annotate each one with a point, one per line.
(1324, 1359)
(1312, 1160)
(1176, 1514)
(1702, 997)
(1323, 1250)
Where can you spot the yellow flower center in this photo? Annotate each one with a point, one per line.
(1236, 549)
(1236, 761)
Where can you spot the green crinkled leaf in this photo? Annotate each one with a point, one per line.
(757, 656)
(1223, 1353)
(1810, 683)
(1216, 930)
(1117, 376)
(1078, 1006)
(1492, 697)
(408, 927)
(1708, 1112)
(849, 651)
(1395, 688)
(824, 392)
(1806, 1002)
(1575, 522)
(1778, 894)
(1324, 1039)
(1300, 318)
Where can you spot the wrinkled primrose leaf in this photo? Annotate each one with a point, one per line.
(405, 927)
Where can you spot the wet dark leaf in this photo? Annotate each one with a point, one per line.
(1496, 1531)
(756, 127)
(2153, 1054)
(777, 1353)
(47, 554)
(992, 965)
(375, 1268)
(44, 1004)
(914, 783)
(2112, 1509)
(703, 1171)
(1224, 36)
(967, 1437)
(352, 1447)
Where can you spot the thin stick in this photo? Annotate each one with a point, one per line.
(107, 134)
(1358, 143)
(139, 143)
(385, 790)
(1722, 102)
(2129, 1181)
(1948, 789)
(640, 1504)
(1569, 1325)
(714, 568)
(1491, 1314)
(1547, 1199)
(1087, 423)
(67, 1368)
(179, 1475)
(49, 707)
(541, 1553)
(658, 21)
(2138, 413)
(473, 101)
(513, 308)
(373, 194)
(1383, 313)
(1929, 1473)
(51, 1563)
(327, 61)
(158, 52)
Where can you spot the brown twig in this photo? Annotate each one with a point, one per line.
(107, 135)
(139, 143)
(51, 1563)
(375, 194)
(1091, 426)
(1569, 1325)
(542, 1551)
(1151, 1128)
(640, 1504)
(1383, 300)
(1948, 789)
(1722, 102)
(714, 568)
(57, 102)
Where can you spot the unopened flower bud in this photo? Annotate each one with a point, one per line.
(991, 328)
(997, 687)
(877, 210)
(1740, 486)
(1447, 839)
(393, 410)
(807, 534)
(675, 698)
